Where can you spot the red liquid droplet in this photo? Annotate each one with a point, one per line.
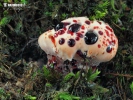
(71, 42)
(95, 27)
(109, 28)
(77, 38)
(100, 32)
(107, 33)
(70, 32)
(74, 20)
(61, 41)
(55, 35)
(60, 32)
(99, 22)
(82, 27)
(52, 39)
(87, 22)
(79, 35)
(99, 46)
(109, 49)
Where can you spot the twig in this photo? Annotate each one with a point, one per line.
(33, 40)
(10, 27)
(40, 19)
(117, 74)
(119, 87)
(117, 25)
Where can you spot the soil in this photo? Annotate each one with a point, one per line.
(21, 59)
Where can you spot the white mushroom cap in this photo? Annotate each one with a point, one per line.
(96, 39)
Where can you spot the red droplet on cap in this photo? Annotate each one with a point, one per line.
(87, 22)
(100, 32)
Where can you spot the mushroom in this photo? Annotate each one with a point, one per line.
(79, 38)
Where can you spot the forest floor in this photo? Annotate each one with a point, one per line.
(23, 75)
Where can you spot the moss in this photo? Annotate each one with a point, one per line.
(20, 55)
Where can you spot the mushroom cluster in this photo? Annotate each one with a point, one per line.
(76, 39)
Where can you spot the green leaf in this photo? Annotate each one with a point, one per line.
(24, 1)
(4, 95)
(100, 10)
(64, 15)
(113, 5)
(91, 98)
(131, 59)
(5, 20)
(1, 5)
(77, 75)
(18, 27)
(47, 73)
(48, 85)
(92, 76)
(66, 96)
(29, 97)
(6, 0)
(1, 91)
(131, 87)
(5, 13)
(97, 89)
(68, 76)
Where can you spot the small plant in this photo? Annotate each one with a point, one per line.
(4, 95)
(5, 20)
(131, 87)
(64, 15)
(68, 77)
(65, 96)
(24, 1)
(29, 97)
(112, 2)
(91, 76)
(47, 73)
(48, 85)
(47, 13)
(100, 10)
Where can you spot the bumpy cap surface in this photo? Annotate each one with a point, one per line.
(74, 37)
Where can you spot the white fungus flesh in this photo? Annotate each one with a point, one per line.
(78, 38)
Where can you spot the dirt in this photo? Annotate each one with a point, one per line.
(21, 59)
